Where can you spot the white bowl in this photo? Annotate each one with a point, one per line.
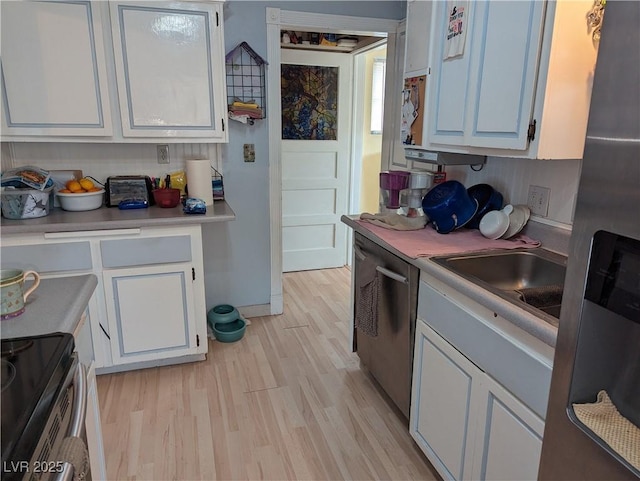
(517, 220)
(81, 201)
(495, 223)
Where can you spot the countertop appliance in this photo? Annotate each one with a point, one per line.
(43, 407)
(120, 188)
(598, 347)
(388, 355)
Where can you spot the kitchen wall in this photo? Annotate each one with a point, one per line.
(371, 143)
(237, 253)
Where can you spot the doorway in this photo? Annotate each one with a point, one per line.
(278, 20)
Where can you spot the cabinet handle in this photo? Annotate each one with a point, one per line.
(392, 275)
(91, 233)
(359, 254)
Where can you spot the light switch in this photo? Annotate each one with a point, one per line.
(249, 152)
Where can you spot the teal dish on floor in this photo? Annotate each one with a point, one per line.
(229, 331)
(222, 313)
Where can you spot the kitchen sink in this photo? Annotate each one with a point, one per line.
(532, 278)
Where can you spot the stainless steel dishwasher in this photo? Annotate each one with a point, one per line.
(389, 355)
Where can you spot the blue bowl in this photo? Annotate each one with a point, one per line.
(221, 314)
(488, 199)
(229, 331)
(449, 206)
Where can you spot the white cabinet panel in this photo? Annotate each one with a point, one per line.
(511, 438)
(441, 415)
(467, 416)
(169, 60)
(93, 426)
(515, 90)
(151, 312)
(418, 35)
(505, 72)
(92, 423)
(484, 97)
(54, 70)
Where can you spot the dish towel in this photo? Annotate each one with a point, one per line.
(603, 418)
(395, 221)
(73, 450)
(366, 318)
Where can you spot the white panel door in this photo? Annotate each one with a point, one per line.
(510, 441)
(504, 73)
(443, 413)
(150, 312)
(170, 68)
(54, 79)
(315, 178)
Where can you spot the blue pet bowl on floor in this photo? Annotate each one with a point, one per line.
(229, 331)
(222, 313)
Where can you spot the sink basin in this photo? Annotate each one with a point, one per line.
(533, 279)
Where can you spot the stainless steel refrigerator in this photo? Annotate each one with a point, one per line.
(598, 347)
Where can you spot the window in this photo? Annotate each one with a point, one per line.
(377, 95)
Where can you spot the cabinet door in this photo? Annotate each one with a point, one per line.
(93, 424)
(442, 412)
(416, 59)
(150, 312)
(170, 69)
(484, 97)
(509, 437)
(53, 70)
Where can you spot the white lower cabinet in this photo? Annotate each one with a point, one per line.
(150, 311)
(508, 436)
(467, 424)
(149, 305)
(93, 424)
(441, 405)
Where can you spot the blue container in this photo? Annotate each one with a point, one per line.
(449, 206)
(221, 314)
(488, 199)
(230, 331)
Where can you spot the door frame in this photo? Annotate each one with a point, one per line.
(277, 20)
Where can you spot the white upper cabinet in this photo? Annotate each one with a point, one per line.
(169, 61)
(54, 79)
(518, 85)
(83, 71)
(418, 36)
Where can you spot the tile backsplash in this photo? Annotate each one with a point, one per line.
(102, 160)
(512, 177)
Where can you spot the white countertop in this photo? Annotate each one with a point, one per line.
(56, 305)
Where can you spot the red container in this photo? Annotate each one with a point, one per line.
(166, 197)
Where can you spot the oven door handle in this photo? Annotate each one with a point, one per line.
(393, 275)
(79, 413)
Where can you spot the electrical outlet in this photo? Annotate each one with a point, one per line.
(538, 200)
(249, 151)
(163, 154)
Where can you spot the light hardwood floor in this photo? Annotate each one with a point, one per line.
(288, 401)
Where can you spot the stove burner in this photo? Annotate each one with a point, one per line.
(8, 374)
(9, 348)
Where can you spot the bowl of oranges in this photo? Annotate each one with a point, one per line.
(80, 194)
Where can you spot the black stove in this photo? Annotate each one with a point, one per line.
(33, 370)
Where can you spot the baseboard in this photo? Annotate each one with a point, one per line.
(258, 310)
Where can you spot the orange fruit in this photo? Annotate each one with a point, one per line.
(94, 189)
(74, 186)
(64, 191)
(86, 184)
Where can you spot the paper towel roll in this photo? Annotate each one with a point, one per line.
(199, 180)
